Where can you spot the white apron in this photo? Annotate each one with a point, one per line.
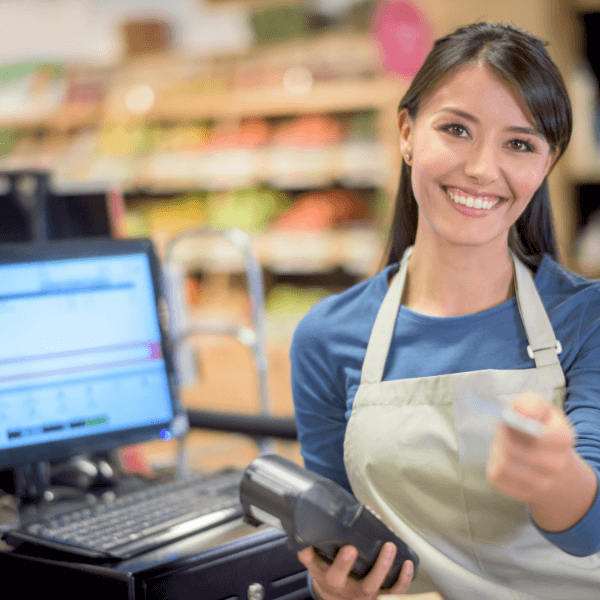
(415, 451)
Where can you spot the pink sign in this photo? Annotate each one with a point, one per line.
(404, 36)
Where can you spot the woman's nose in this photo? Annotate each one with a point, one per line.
(482, 163)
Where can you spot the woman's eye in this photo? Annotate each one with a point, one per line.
(456, 130)
(521, 146)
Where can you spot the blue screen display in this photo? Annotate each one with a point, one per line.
(81, 351)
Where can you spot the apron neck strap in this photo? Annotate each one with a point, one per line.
(383, 329)
(543, 346)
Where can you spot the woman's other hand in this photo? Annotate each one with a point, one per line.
(525, 467)
(557, 484)
(333, 582)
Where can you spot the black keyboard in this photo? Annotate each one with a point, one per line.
(140, 521)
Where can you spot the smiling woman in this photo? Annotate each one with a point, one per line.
(401, 383)
(463, 145)
(520, 61)
(477, 159)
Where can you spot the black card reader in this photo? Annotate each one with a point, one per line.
(315, 511)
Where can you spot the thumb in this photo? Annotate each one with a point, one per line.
(532, 406)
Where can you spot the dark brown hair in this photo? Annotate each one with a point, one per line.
(520, 59)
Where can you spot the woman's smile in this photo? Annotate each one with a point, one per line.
(471, 203)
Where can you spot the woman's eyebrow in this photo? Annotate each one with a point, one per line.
(460, 113)
(469, 117)
(526, 130)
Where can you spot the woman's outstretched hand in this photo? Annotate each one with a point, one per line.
(557, 484)
(333, 582)
(528, 468)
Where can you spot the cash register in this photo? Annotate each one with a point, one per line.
(86, 367)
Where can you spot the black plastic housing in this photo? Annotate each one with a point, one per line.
(316, 511)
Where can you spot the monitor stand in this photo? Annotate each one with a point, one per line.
(31, 483)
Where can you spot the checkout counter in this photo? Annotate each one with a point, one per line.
(233, 561)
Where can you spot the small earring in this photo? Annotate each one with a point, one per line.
(407, 157)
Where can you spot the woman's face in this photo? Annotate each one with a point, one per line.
(476, 157)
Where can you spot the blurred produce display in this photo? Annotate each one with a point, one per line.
(155, 121)
(308, 130)
(250, 209)
(8, 139)
(282, 140)
(178, 214)
(322, 210)
(248, 133)
(315, 150)
(31, 90)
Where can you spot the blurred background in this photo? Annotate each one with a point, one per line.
(152, 117)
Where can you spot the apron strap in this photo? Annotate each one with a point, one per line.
(543, 346)
(383, 329)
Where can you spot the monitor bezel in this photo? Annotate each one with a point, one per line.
(89, 248)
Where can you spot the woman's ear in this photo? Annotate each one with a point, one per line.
(406, 126)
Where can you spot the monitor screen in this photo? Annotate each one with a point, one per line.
(83, 360)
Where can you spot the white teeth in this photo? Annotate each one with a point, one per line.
(472, 202)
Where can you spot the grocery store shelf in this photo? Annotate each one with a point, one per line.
(354, 164)
(336, 95)
(327, 96)
(359, 251)
(64, 119)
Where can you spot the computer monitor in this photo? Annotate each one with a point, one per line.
(84, 359)
(33, 208)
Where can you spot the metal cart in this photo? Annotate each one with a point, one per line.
(263, 427)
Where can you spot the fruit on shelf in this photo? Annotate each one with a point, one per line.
(184, 137)
(308, 130)
(249, 133)
(250, 209)
(175, 215)
(320, 210)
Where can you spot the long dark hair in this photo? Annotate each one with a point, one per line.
(520, 59)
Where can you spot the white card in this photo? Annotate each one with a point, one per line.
(517, 421)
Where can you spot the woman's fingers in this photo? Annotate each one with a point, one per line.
(306, 556)
(372, 583)
(405, 579)
(338, 573)
(335, 578)
(310, 560)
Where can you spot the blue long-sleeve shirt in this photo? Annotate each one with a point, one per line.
(329, 345)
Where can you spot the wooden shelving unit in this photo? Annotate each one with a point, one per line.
(581, 164)
(355, 250)
(160, 172)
